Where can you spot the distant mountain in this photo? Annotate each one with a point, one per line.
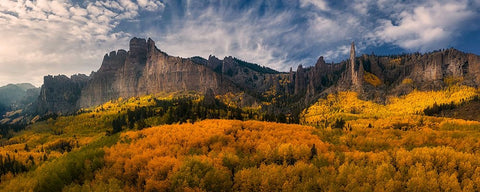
(145, 69)
(17, 96)
(3, 108)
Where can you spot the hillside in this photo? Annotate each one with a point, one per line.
(348, 105)
(158, 143)
(230, 155)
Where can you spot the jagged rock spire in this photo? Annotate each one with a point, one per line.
(356, 73)
(352, 50)
(352, 62)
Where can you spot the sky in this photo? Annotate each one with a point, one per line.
(41, 37)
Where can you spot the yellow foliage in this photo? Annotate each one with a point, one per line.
(274, 157)
(407, 81)
(396, 61)
(390, 147)
(372, 79)
(348, 105)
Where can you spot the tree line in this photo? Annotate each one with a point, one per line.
(186, 109)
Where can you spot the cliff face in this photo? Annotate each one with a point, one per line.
(401, 74)
(377, 77)
(144, 69)
(424, 71)
(257, 82)
(59, 94)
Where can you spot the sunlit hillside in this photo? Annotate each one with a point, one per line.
(232, 155)
(179, 143)
(347, 105)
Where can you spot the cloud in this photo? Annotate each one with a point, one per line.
(61, 37)
(71, 36)
(427, 26)
(279, 39)
(320, 4)
(216, 32)
(151, 5)
(337, 52)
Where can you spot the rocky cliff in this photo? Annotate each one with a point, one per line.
(144, 69)
(59, 94)
(377, 77)
(401, 74)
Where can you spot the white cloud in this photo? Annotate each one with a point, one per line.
(338, 52)
(362, 6)
(150, 5)
(273, 39)
(320, 4)
(59, 37)
(427, 26)
(209, 33)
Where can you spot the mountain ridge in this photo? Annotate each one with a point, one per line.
(145, 69)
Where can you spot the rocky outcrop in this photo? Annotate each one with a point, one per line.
(356, 70)
(300, 81)
(59, 94)
(144, 70)
(432, 70)
(353, 77)
(251, 78)
(400, 74)
(214, 63)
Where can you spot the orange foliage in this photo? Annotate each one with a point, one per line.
(151, 158)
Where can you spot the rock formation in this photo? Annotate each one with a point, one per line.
(144, 69)
(356, 70)
(352, 78)
(59, 94)
(300, 81)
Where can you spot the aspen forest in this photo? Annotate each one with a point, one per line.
(184, 143)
